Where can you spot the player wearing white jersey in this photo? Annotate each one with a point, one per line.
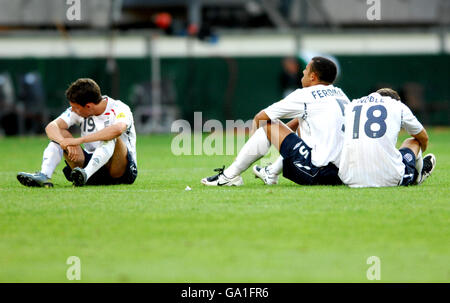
(108, 135)
(370, 157)
(313, 156)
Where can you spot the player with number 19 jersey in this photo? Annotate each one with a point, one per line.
(320, 110)
(116, 111)
(369, 156)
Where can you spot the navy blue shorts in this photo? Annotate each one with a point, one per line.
(297, 165)
(409, 159)
(102, 176)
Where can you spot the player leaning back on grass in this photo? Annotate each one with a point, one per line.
(310, 158)
(369, 157)
(108, 135)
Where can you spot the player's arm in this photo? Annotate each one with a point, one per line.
(293, 124)
(261, 116)
(106, 134)
(422, 137)
(412, 125)
(54, 130)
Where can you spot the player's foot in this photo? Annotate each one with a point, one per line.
(429, 163)
(221, 180)
(79, 177)
(263, 174)
(34, 180)
(67, 171)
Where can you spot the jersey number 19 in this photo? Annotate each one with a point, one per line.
(88, 125)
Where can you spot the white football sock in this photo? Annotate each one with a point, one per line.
(52, 156)
(256, 147)
(101, 156)
(277, 167)
(419, 165)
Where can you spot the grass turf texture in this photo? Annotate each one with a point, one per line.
(155, 231)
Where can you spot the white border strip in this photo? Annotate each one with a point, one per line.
(234, 46)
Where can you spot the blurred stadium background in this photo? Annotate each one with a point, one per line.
(225, 58)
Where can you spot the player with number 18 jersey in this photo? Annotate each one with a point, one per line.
(369, 156)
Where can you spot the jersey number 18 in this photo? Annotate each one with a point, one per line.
(371, 120)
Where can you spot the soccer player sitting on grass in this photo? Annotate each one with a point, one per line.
(108, 135)
(310, 158)
(369, 156)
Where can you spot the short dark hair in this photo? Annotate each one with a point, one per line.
(84, 91)
(389, 92)
(325, 69)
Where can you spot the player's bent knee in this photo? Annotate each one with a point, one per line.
(118, 162)
(72, 165)
(412, 144)
(118, 169)
(116, 174)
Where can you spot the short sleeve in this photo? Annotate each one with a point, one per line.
(70, 117)
(124, 115)
(410, 122)
(289, 107)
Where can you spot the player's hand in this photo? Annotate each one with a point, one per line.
(70, 142)
(74, 153)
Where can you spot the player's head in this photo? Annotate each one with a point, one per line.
(83, 95)
(319, 70)
(389, 92)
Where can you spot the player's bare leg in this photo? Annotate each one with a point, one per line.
(276, 132)
(100, 157)
(269, 174)
(412, 144)
(255, 148)
(425, 165)
(74, 156)
(112, 154)
(117, 165)
(52, 156)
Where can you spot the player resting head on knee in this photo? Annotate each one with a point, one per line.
(107, 133)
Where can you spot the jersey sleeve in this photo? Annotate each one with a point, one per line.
(410, 122)
(124, 115)
(70, 117)
(289, 107)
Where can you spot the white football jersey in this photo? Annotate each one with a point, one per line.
(369, 156)
(116, 111)
(320, 110)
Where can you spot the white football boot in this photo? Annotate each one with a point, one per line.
(263, 174)
(221, 180)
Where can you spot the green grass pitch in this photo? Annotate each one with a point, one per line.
(155, 231)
